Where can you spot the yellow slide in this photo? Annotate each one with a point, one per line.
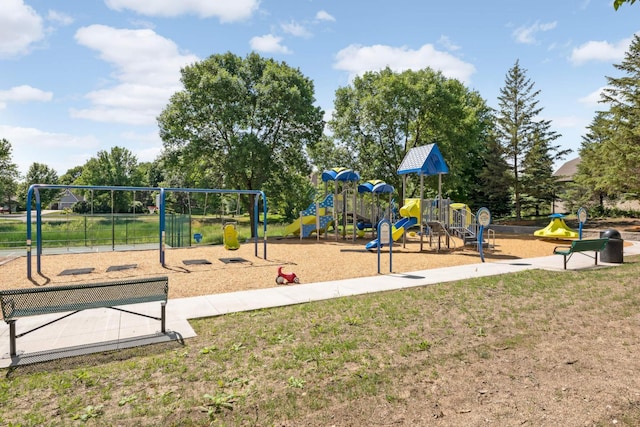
(410, 214)
(411, 209)
(230, 237)
(294, 227)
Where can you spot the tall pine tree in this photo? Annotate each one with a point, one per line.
(519, 130)
(620, 161)
(590, 186)
(538, 182)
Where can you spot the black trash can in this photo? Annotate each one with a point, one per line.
(614, 249)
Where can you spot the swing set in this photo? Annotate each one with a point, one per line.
(33, 194)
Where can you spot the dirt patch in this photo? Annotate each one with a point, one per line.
(312, 261)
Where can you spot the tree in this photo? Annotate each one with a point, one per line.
(538, 182)
(383, 114)
(8, 175)
(39, 173)
(492, 181)
(518, 131)
(619, 162)
(590, 186)
(71, 175)
(246, 120)
(117, 167)
(618, 3)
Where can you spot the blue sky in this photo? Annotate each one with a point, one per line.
(77, 77)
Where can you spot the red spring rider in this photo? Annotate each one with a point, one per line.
(284, 278)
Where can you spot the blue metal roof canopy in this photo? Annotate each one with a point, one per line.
(340, 174)
(424, 160)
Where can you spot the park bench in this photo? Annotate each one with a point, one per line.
(587, 245)
(71, 299)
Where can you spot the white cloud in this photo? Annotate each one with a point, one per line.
(295, 29)
(593, 99)
(358, 59)
(447, 43)
(268, 44)
(23, 93)
(147, 69)
(20, 28)
(324, 16)
(226, 11)
(59, 18)
(527, 35)
(27, 141)
(150, 143)
(602, 51)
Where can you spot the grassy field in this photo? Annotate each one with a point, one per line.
(72, 230)
(337, 362)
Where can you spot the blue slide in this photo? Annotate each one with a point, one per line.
(396, 232)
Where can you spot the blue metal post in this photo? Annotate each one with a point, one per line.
(39, 231)
(29, 197)
(162, 226)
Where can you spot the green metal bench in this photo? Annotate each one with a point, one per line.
(16, 303)
(587, 245)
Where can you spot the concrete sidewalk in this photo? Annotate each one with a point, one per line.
(98, 330)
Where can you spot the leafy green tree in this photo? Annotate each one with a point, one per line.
(39, 173)
(326, 154)
(71, 175)
(247, 119)
(8, 175)
(383, 114)
(117, 167)
(618, 3)
(518, 130)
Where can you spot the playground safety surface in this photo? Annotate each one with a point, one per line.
(311, 260)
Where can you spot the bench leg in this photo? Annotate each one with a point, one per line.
(596, 257)
(163, 312)
(12, 338)
(565, 262)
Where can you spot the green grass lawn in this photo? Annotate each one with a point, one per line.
(290, 365)
(72, 230)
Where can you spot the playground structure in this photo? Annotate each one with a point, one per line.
(371, 214)
(344, 209)
(410, 216)
(438, 218)
(33, 195)
(557, 229)
(317, 218)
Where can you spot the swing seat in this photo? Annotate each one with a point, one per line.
(230, 237)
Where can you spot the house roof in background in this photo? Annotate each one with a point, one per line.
(566, 172)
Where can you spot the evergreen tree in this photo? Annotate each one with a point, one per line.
(517, 128)
(492, 189)
(590, 186)
(538, 182)
(620, 161)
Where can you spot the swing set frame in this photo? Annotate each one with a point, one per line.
(33, 194)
